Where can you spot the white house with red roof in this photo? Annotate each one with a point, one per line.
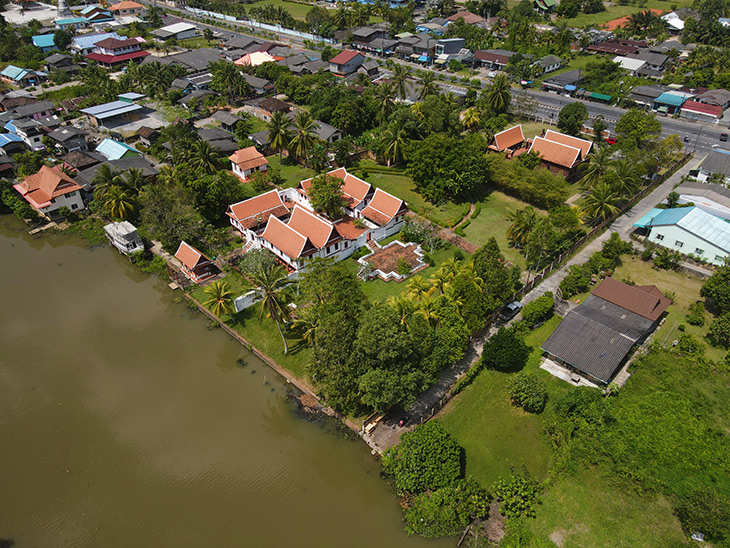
(357, 192)
(346, 62)
(49, 190)
(386, 212)
(250, 216)
(246, 161)
(508, 140)
(112, 51)
(194, 264)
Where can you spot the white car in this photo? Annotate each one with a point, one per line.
(492, 74)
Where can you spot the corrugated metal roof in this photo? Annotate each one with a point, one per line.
(708, 227)
(7, 138)
(108, 110)
(648, 218)
(13, 72)
(86, 42)
(44, 41)
(668, 98)
(114, 150)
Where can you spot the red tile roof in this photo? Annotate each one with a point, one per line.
(646, 301)
(555, 153)
(509, 138)
(40, 188)
(189, 256)
(286, 239)
(621, 21)
(468, 17)
(115, 43)
(347, 229)
(257, 210)
(702, 108)
(576, 142)
(383, 207)
(126, 5)
(248, 158)
(109, 59)
(318, 231)
(354, 188)
(344, 57)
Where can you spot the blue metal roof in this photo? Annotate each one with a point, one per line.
(86, 42)
(669, 98)
(10, 126)
(670, 216)
(648, 218)
(114, 150)
(14, 73)
(6, 138)
(699, 222)
(70, 21)
(44, 41)
(88, 9)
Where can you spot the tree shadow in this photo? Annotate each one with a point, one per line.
(7, 543)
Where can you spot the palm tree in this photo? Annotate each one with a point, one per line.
(522, 222)
(134, 179)
(440, 280)
(449, 268)
(470, 118)
(306, 324)
(271, 281)
(497, 94)
(400, 78)
(105, 178)
(361, 15)
(394, 141)
(625, 178)
(601, 204)
(418, 287)
(450, 294)
(385, 97)
(427, 309)
(220, 298)
(305, 136)
(596, 167)
(118, 202)
(403, 304)
(202, 156)
(279, 134)
(341, 18)
(427, 81)
(227, 78)
(469, 269)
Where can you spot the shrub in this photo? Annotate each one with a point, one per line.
(361, 252)
(505, 350)
(577, 281)
(696, 315)
(477, 210)
(687, 344)
(704, 511)
(528, 392)
(518, 494)
(428, 260)
(666, 259)
(421, 232)
(403, 267)
(719, 332)
(538, 310)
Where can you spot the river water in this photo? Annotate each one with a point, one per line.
(126, 421)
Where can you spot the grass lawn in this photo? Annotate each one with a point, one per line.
(397, 183)
(531, 129)
(293, 173)
(686, 290)
(198, 42)
(379, 290)
(616, 11)
(257, 124)
(297, 11)
(589, 509)
(492, 222)
(497, 435)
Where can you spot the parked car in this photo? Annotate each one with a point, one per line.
(611, 140)
(723, 136)
(492, 74)
(510, 311)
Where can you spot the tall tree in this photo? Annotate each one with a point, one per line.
(385, 98)
(427, 81)
(118, 202)
(304, 136)
(228, 79)
(279, 133)
(394, 140)
(498, 94)
(522, 221)
(325, 194)
(270, 282)
(220, 298)
(601, 203)
(401, 73)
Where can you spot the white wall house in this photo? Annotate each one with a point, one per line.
(246, 161)
(49, 190)
(690, 231)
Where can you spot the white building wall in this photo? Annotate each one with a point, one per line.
(72, 200)
(678, 239)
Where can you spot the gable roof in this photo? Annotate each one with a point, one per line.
(15, 73)
(248, 158)
(555, 153)
(354, 188)
(255, 59)
(509, 138)
(40, 188)
(319, 231)
(697, 221)
(646, 301)
(344, 57)
(114, 150)
(702, 108)
(383, 207)
(126, 5)
(189, 256)
(285, 238)
(468, 17)
(257, 210)
(44, 41)
(583, 144)
(115, 43)
(719, 97)
(65, 133)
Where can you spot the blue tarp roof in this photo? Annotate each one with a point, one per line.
(6, 138)
(114, 150)
(423, 58)
(668, 98)
(570, 87)
(44, 41)
(14, 73)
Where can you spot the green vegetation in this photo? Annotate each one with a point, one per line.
(289, 171)
(527, 391)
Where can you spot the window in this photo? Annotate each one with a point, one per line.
(337, 245)
(71, 194)
(660, 237)
(699, 251)
(53, 200)
(74, 206)
(679, 244)
(719, 258)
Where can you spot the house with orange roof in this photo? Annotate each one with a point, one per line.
(557, 157)
(356, 191)
(194, 264)
(508, 140)
(127, 7)
(584, 145)
(346, 62)
(250, 216)
(386, 212)
(49, 190)
(622, 21)
(246, 161)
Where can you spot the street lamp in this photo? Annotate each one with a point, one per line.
(694, 147)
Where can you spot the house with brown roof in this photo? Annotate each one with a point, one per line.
(595, 338)
(246, 161)
(561, 153)
(346, 62)
(49, 190)
(469, 18)
(266, 107)
(508, 140)
(194, 264)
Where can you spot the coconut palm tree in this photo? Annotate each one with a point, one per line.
(361, 15)
(418, 286)
(279, 133)
(470, 118)
(202, 156)
(403, 304)
(385, 97)
(220, 298)
(449, 268)
(522, 222)
(304, 136)
(118, 202)
(427, 81)
(497, 95)
(401, 74)
(601, 203)
(271, 282)
(306, 324)
(228, 79)
(598, 164)
(341, 17)
(134, 179)
(625, 178)
(451, 296)
(440, 280)
(427, 309)
(394, 140)
(104, 179)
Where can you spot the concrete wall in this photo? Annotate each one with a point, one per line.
(672, 236)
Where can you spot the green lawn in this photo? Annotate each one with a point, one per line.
(395, 182)
(616, 11)
(590, 509)
(198, 42)
(492, 222)
(686, 290)
(497, 435)
(257, 124)
(293, 173)
(531, 129)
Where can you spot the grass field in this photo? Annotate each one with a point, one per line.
(395, 182)
(293, 173)
(615, 11)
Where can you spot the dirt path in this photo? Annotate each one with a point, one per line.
(466, 217)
